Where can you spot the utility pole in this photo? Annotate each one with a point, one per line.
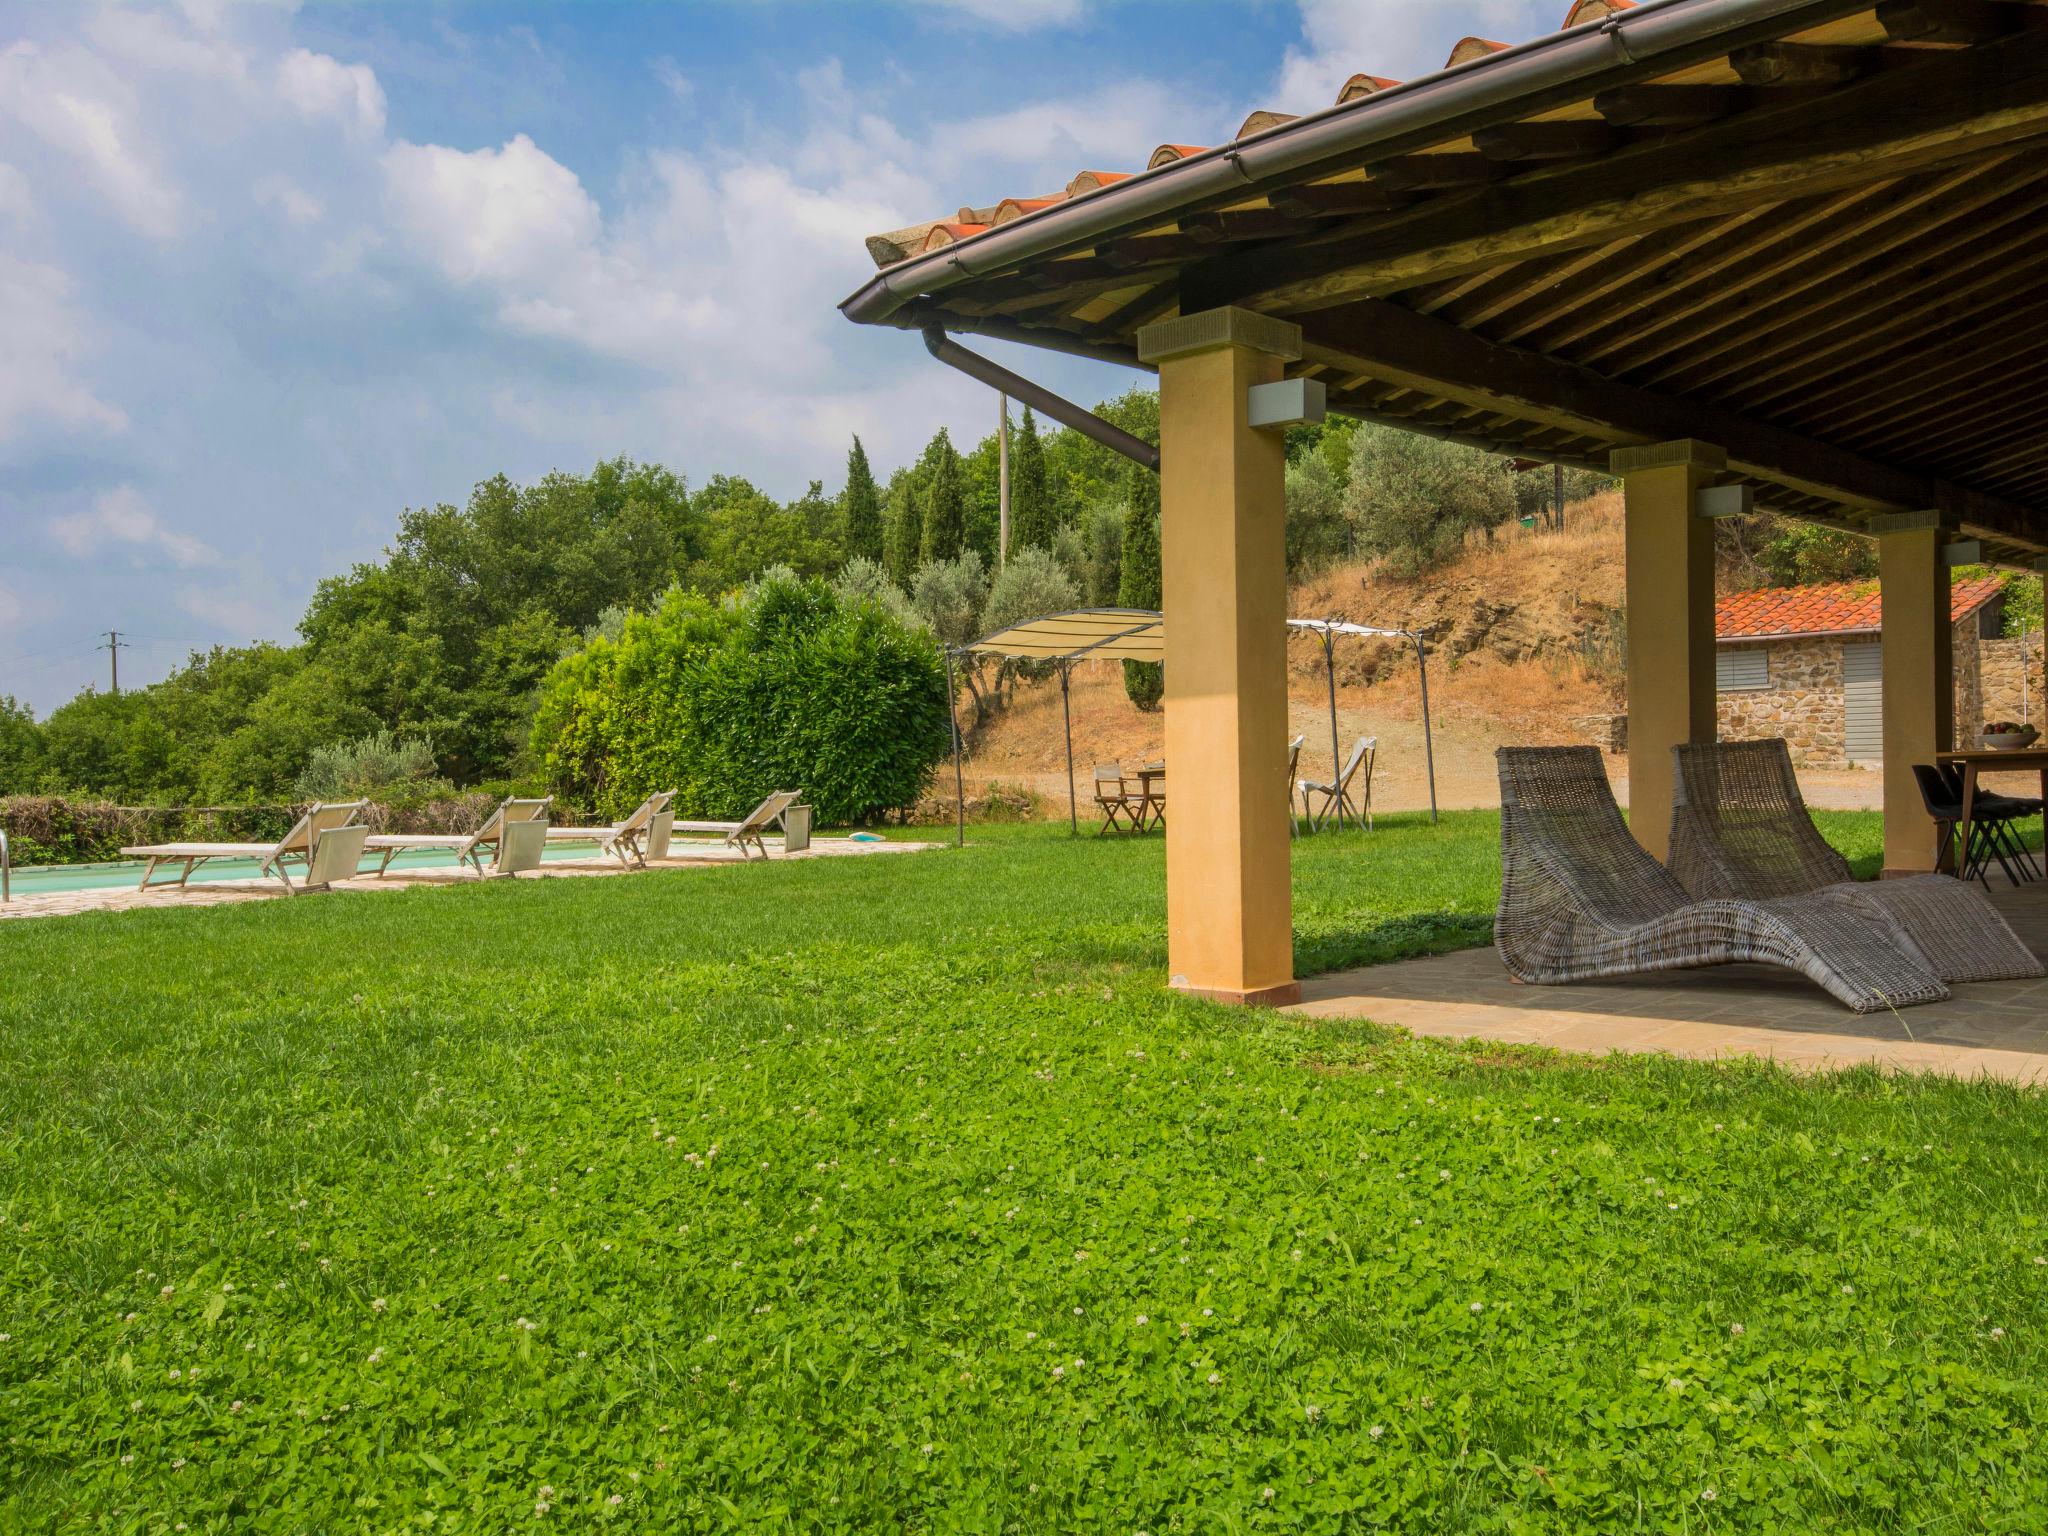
(113, 648)
(1002, 480)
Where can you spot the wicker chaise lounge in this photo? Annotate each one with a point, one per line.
(1740, 827)
(1580, 899)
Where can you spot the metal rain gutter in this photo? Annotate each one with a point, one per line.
(1349, 131)
(1057, 407)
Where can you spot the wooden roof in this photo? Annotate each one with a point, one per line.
(1812, 234)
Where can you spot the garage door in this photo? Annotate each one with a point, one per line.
(1863, 701)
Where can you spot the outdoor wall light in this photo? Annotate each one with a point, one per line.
(1287, 403)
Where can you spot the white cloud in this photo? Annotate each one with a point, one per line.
(234, 612)
(15, 201)
(316, 85)
(122, 519)
(153, 40)
(74, 104)
(45, 341)
(289, 198)
(1013, 15)
(672, 78)
(1400, 39)
(508, 215)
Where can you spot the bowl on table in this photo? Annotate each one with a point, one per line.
(2007, 736)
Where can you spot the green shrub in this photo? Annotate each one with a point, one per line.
(1140, 581)
(788, 686)
(346, 769)
(1412, 499)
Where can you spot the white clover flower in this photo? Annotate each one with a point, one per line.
(1478, 1306)
(1377, 1430)
(619, 1498)
(166, 1290)
(1998, 1333)
(1675, 1384)
(1313, 1412)
(1443, 1173)
(128, 1460)
(378, 1304)
(1736, 1329)
(1848, 1290)
(1059, 1372)
(1708, 1495)
(1266, 1494)
(1142, 1319)
(235, 1406)
(927, 1448)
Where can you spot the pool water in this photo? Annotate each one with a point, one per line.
(53, 879)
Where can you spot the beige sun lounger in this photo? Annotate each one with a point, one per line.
(328, 840)
(640, 837)
(514, 835)
(742, 834)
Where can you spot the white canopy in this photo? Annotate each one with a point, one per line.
(1086, 634)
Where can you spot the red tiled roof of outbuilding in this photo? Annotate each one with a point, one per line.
(1833, 608)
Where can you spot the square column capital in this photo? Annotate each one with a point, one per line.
(1905, 522)
(1209, 329)
(1683, 453)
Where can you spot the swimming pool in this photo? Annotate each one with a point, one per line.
(126, 874)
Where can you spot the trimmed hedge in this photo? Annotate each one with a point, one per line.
(787, 686)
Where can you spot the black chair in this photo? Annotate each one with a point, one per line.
(1944, 806)
(2000, 812)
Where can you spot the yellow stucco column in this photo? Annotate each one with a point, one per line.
(1670, 553)
(1223, 560)
(1919, 677)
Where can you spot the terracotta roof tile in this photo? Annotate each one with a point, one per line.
(916, 239)
(1835, 608)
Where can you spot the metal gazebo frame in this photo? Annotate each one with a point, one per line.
(1139, 634)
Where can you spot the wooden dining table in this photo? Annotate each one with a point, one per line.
(1975, 760)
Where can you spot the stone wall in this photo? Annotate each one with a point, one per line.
(2011, 686)
(1803, 703)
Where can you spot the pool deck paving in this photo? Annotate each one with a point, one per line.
(1994, 1029)
(215, 893)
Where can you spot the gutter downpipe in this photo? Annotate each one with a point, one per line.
(1056, 407)
(1498, 82)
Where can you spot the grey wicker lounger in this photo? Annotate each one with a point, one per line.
(1740, 827)
(1580, 899)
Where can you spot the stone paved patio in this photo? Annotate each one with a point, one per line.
(1999, 1029)
(682, 855)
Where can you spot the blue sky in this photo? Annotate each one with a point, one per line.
(268, 275)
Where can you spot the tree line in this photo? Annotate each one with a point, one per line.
(446, 639)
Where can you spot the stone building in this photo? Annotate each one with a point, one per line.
(1802, 663)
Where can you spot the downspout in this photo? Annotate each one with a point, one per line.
(1048, 404)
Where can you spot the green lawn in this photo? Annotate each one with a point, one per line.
(895, 1194)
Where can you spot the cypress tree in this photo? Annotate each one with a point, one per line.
(860, 506)
(903, 525)
(1032, 524)
(945, 506)
(1138, 584)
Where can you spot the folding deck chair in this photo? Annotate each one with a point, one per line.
(327, 840)
(640, 837)
(515, 834)
(747, 832)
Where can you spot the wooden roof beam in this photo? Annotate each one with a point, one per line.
(1437, 358)
(1954, 106)
(1572, 139)
(1956, 21)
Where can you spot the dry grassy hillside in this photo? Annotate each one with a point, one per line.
(1521, 649)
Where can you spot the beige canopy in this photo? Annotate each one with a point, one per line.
(1139, 634)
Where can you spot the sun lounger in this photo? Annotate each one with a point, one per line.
(746, 833)
(514, 836)
(1581, 899)
(640, 837)
(327, 840)
(1739, 827)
